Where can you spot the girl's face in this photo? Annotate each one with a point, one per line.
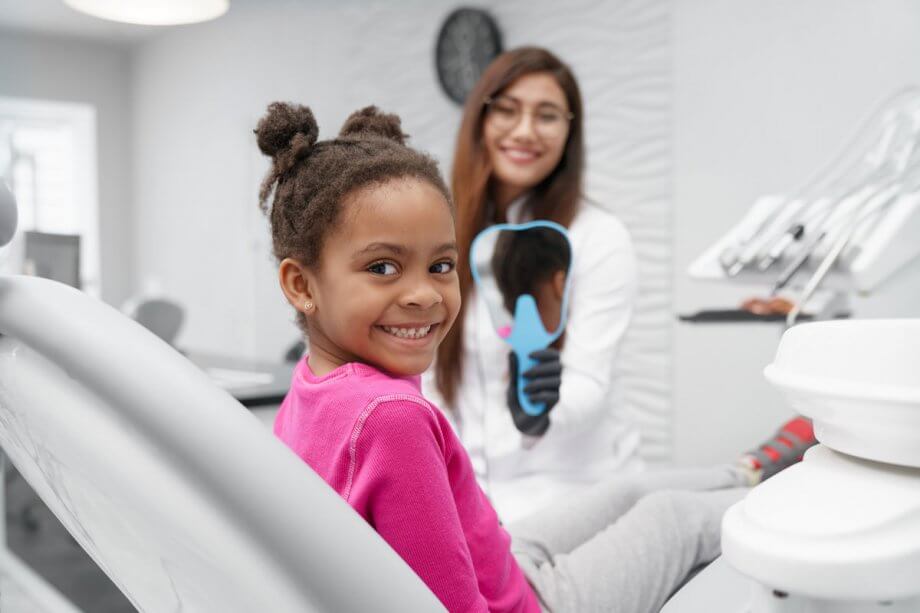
(385, 291)
(525, 131)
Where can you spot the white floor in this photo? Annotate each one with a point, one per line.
(14, 599)
(24, 591)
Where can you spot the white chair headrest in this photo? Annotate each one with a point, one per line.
(8, 215)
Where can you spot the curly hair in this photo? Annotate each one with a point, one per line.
(310, 180)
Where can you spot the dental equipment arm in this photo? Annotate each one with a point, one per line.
(766, 239)
(850, 229)
(860, 217)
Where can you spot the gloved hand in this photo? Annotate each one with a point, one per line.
(542, 388)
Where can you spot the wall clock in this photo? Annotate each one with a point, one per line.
(468, 41)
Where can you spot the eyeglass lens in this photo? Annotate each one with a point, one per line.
(548, 120)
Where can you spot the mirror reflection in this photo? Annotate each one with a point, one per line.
(511, 262)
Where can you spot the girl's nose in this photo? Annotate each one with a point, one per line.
(422, 296)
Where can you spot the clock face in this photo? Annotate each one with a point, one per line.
(469, 40)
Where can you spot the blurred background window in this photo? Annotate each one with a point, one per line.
(48, 159)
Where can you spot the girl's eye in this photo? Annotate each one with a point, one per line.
(383, 268)
(442, 267)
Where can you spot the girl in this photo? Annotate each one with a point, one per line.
(363, 229)
(520, 156)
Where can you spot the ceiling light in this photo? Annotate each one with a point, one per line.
(152, 12)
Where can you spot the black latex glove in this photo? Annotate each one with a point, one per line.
(542, 388)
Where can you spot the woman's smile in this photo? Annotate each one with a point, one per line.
(520, 155)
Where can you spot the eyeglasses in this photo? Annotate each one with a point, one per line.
(548, 121)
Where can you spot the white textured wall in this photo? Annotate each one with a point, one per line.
(693, 109)
(199, 90)
(620, 52)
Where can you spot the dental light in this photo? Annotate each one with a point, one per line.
(152, 12)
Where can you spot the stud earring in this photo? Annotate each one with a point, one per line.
(308, 306)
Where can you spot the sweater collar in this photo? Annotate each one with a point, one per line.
(358, 369)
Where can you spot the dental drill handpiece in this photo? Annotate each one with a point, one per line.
(777, 218)
(815, 214)
(747, 233)
(783, 233)
(812, 217)
(818, 221)
(857, 219)
(797, 262)
(791, 235)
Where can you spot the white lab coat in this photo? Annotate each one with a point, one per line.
(590, 435)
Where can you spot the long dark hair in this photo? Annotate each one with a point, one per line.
(556, 198)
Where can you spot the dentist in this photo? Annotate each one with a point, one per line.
(520, 156)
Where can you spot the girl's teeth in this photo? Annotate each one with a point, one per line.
(408, 332)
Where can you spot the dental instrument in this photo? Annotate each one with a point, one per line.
(880, 128)
(836, 251)
(525, 333)
(820, 229)
(896, 163)
(848, 228)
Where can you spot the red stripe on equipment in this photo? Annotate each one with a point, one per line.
(771, 453)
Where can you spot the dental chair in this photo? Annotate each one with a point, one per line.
(840, 531)
(184, 499)
(161, 316)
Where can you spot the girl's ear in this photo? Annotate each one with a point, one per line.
(295, 280)
(559, 284)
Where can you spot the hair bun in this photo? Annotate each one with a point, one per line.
(283, 122)
(369, 121)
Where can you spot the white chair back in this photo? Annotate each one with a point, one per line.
(180, 495)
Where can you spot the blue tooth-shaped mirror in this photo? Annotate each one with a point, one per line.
(522, 273)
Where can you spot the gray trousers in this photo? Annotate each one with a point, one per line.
(628, 543)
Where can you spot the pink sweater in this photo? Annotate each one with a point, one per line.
(395, 459)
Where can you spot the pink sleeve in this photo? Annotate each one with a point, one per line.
(401, 481)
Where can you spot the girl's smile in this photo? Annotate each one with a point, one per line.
(410, 332)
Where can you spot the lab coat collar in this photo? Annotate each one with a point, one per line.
(518, 211)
